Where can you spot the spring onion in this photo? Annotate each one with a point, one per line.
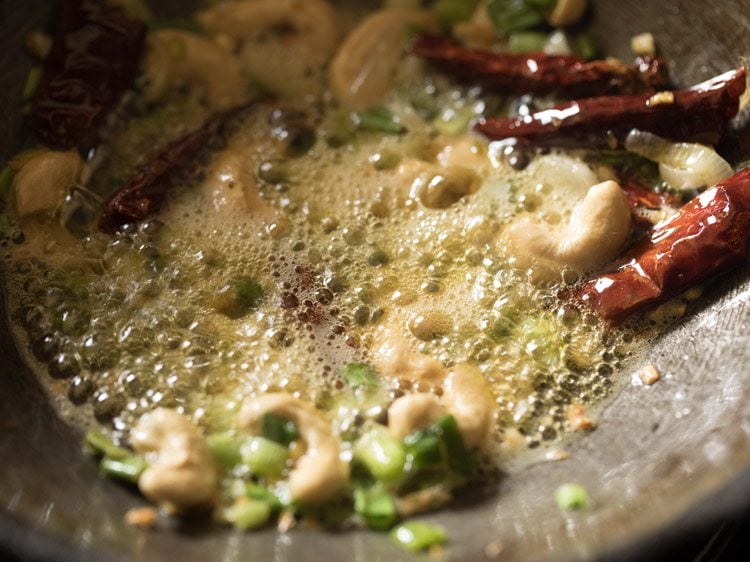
(453, 11)
(527, 42)
(459, 459)
(264, 457)
(571, 497)
(416, 536)
(248, 514)
(423, 450)
(99, 444)
(682, 165)
(511, 16)
(278, 429)
(31, 84)
(379, 118)
(376, 507)
(225, 448)
(453, 122)
(128, 468)
(383, 455)
(359, 375)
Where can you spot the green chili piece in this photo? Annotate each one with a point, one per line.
(264, 457)
(128, 468)
(359, 375)
(376, 507)
(379, 118)
(383, 455)
(570, 497)
(278, 429)
(423, 450)
(511, 16)
(97, 443)
(225, 448)
(527, 42)
(416, 536)
(250, 514)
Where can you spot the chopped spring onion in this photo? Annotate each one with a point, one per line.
(278, 429)
(264, 457)
(379, 118)
(459, 458)
(527, 42)
(248, 514)
(99, 444)
(376, 507)
(225, 448)
(128, 468)
(415, 536)
(382, 454)
(682, 165)
(511, 16)
(571, 497)
(32, 83)
(452, 11)
(359, 375)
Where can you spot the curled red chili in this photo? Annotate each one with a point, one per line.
(537, 73)
(708, 236)
(93, 61)
(700, 113)
(145, 191)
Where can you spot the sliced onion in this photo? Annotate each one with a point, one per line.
(682, 165)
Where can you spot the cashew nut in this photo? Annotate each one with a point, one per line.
(392, 357)
(42, 180)
(597, 230)
(413, 412)
(319, 474)
(176, 58)
(469, 398)
(364, 67)
(567, 12)
(181, 472)
(297, 36)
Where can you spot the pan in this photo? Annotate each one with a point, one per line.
(664, 464)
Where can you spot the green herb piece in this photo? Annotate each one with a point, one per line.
(423, 450)
(382, 454)
(459, 458)
(527, 42)
(249, 514)
(279, 429)
(379, 118)
(32, 83)
(453, 122)
(128, 468)
(6, 182)
(586, 47)
(570, 497)
(453, 11)
(511, 16)
(225, 448)
(97, 443)
(264, 457)
(359, 375)
(416, 536)
(376, 507)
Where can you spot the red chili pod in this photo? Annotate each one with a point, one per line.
(700, 113)
(93, 62)
(537, 73)
(705, 238)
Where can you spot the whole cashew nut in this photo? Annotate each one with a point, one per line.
(598, 228)
(301, 35)
(363, 69)
(176, 58)
(319, 474)
(42, 180)
(469, 398)
(181, 472)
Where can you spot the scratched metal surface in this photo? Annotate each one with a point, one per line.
(654, 467)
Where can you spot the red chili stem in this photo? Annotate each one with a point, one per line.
(700, 113)
(707, 237)
(537, 73)
(93, 62)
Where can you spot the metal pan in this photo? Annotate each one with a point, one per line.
(664, 462)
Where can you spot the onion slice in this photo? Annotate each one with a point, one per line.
(682, 165)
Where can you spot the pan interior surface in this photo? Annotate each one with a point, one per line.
(657, 453)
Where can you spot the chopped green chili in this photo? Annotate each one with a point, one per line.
(225, 448)
(416, 536)
(128, 468)
(379, 118)
(571, 497)
(376, 507)
(264, 457)
(249, 514)
(382, 454)
(97, 443)
(511, 16)
(527, 42)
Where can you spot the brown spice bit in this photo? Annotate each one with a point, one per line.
(493, 549)
(557, 455)
(142, 517)
(578, 419)
(649, 374)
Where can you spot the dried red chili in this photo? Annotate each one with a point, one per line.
(700, 113)
(708, 236)
(93, 61)
(143, 194)
(537, 73)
